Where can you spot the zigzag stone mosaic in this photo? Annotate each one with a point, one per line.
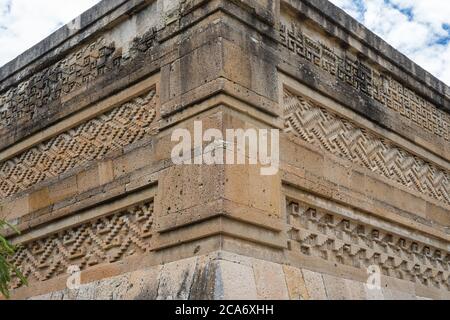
(345, 139)
(104, 240)
(317, 233)
(89, 141)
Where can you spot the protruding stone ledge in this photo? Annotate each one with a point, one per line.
(343, 27)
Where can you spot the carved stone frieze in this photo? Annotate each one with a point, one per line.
(27, 100)
(104, 240)
(92, 140)
(332, 133)
(318, 233)
(366, 79)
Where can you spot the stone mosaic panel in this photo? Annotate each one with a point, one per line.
(92, 140)
(366, 79)
(341, 137)
(318, 233)
(104, 240)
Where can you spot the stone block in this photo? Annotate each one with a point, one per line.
(129, 162)
(112, 289)
(315, 285)
(335, 288)
(187, 186)
(356, 290)
(87, 292)
(235, 282)
(39, 199)
(88, 180)
(143, 284)
(105, 172)
(16, 208)
(205, 279)
(374, 294)
(295, 283)
(398, 295)
(270, 281)
(63, 189)
(175, 280)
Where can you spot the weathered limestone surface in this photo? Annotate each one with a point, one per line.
(235, 277)
(86, 118)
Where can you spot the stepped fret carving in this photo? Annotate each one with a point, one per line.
(27, 100)
(369, 81)
(92, 140)
(345, 139)
(105, 240)
(317, 233)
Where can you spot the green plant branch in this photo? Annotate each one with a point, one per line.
(7, 269)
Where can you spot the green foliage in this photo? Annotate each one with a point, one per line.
(7, 270)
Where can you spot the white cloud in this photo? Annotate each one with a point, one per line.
(418, 28)
(351, 7)
(24, 23)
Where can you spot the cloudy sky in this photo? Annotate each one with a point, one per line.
(23, 23)
(418, 28)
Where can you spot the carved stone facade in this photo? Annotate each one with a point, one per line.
(90, 141)
(315, 232)
(105, 240)
(27, 100)
(369, 81)
(86, 175)
(341, 137)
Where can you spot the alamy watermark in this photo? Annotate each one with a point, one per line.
(374, 280)
(237, 147)
(74, 280)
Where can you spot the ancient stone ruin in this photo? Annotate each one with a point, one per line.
(360, 205)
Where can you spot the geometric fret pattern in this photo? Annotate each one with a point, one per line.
(104, 240)
(92, 140)
(318, 233)
(28, 101)
(29, 98)
(367, 80)
(343, 138)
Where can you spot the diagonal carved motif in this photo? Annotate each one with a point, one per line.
(345, 139)
(318, 233)
(104, 240)
(92, 140)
